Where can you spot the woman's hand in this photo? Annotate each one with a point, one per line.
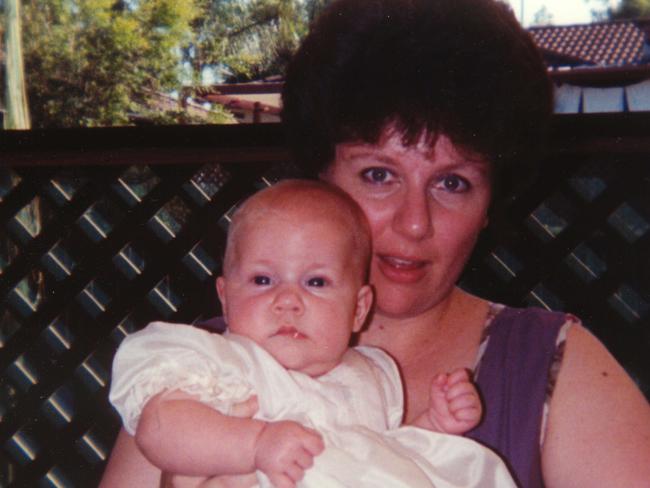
(454, 404)
(284, 450)
(226, 481)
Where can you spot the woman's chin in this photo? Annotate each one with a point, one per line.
(401, 302)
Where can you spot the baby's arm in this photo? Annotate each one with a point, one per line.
(182, 435)
(454, 405)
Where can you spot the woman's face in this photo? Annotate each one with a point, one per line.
(426, 207)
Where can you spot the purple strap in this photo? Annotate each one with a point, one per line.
(512, 379)
(213, 324)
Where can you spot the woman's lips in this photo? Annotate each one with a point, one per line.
(402, 270)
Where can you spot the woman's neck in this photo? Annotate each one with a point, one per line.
(444, 331)
(440, 341)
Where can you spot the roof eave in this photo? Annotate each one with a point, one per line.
(602, 75)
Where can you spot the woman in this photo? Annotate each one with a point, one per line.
(425, 112)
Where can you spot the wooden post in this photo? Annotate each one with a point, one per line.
(17, 116)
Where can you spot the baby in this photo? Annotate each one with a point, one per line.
(294, 290)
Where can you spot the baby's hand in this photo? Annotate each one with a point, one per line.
(285, 450)
(454, 406)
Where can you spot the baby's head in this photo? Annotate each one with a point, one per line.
(295, 273)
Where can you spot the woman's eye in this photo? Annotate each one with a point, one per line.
(261, 280)
(317, 282)
(376, 175)
(453, 184)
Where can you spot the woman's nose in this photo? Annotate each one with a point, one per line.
(412, 217)
(288, 300)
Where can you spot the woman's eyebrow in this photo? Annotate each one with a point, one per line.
(369, 154)
(472, 162)
(478, 165)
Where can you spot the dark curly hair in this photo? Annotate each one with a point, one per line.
(464, 68)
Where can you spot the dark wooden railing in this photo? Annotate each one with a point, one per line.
(107, 229)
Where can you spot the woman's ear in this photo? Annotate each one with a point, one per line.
(221, 293)
(364, 302)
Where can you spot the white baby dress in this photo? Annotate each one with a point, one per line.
(357, 407)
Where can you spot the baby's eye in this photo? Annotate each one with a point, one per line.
(453, 183)
(376, 175)
(318, 282)
(261, 280)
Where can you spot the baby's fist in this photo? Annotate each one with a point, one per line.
(455, 406)
(284, 450)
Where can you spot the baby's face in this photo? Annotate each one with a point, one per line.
(295, 288)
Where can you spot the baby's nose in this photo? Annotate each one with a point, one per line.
(288, 300)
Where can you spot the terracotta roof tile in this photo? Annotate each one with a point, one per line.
(604, 44)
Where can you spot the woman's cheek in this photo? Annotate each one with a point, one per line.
(377, 211)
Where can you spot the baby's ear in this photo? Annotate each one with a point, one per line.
(221, 293)
(364, 302)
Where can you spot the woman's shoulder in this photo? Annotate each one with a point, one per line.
(596, 413)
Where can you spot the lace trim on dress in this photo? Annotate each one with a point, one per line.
(554, 370)
(494, 310)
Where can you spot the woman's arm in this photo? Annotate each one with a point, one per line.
(127, 466)
(598, 432)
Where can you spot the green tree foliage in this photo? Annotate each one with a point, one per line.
(543, 16)
(93, 62)
(625, 9)
(240, 40)
(98, 62)
(631, 9)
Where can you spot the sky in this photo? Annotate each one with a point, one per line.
(563, 11)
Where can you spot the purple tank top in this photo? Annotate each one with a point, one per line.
(513, 377)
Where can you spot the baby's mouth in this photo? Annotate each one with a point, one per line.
(292, 332)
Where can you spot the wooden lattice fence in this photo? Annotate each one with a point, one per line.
(105, 230)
